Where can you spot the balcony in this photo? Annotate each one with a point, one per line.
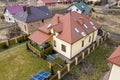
(40, 50)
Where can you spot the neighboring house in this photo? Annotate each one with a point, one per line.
(114, 59)
(118, 4)
(31, 17)
(48, 2)
(81, 8)
(93, 1)
(10, 11)
(69, 34)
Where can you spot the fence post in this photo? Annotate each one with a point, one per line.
(76, 60)
(98, 43)
(59, 74)
(16, 40)
(101, 40)
(88, 50)
(82, 55)
(68, 67)
(93, 46)
(7, 42)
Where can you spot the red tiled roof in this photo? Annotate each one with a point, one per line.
(44, 29)
(115, 57)
(69, 23)
(39, 37)
(49, 1)
(66, 26)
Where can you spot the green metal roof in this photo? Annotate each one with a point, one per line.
(83, 7)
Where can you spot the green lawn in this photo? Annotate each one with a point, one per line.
(20, 64)
(98, 60)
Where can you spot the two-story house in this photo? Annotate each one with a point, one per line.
(69, 34)
(10, 11)
(81, 8)
(31, 17)
(114, 59)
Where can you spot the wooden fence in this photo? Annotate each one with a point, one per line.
(13, 41)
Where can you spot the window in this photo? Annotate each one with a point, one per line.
(63, 48)
(54, 43)
(42, 20)
(85, 26)
(9, 18)
(54, 32)
(90, 39)
(82, 43)
(76, 9)
(25, 27)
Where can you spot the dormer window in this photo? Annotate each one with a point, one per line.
(85, 26)
(76, 30)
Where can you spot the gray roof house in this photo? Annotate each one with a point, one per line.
(31, 17)
(81, 8)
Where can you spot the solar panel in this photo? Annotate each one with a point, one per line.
(31, 79)
(40, 76)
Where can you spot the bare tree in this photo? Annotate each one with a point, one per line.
(13, 32)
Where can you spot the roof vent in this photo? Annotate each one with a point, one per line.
(76, 30)
(83, 6)
(83, 33)
(47, 14)
(49, 26)
(85, 26)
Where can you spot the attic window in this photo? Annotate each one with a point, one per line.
(83, 6)
(47, 14)
(85, 26)
(91, 23)
(49, 26)
(76, 30)
(83, 33)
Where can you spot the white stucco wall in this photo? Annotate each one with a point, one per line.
(77, 46)
(74, 8)
(8, 17)
(73, 49)
(58, 47)
(115, 73)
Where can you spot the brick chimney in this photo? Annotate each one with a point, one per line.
(26, 9)
(80, 20)
(58, 19)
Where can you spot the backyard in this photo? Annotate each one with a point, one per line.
(95, 66)
(17, 63)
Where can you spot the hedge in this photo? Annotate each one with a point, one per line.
(11, 42)
(2, 44)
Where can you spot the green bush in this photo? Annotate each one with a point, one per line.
(90, 2)
(12, 42)
(98, 3)
(5, 47)
(2, 44)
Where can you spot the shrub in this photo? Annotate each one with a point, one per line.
(5, 47)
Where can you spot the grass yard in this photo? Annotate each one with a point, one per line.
(95, 64)
(19, 64)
